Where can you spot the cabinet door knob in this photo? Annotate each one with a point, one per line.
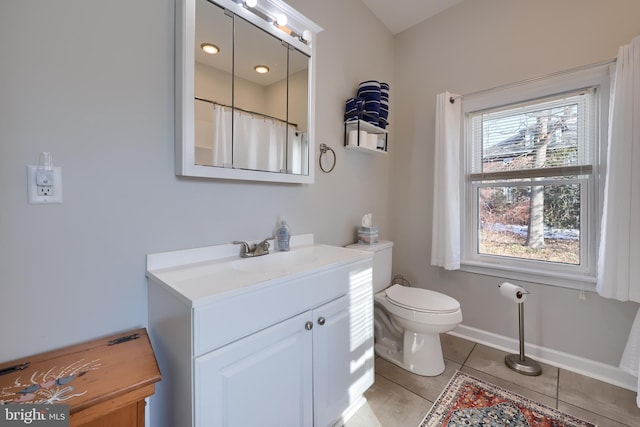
(308, 326)
(321, 321)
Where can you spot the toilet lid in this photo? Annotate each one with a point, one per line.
(423, 300)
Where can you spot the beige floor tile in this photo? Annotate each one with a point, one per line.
(515, 388)
(456, 349)
(399, 398)
(426, 387)
(599, 397)
(591, 417)
(390, 405)
(491, 361)
(365, 417)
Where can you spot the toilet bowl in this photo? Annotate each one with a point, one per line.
(408, 321)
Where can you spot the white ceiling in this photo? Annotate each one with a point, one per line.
(398, 15)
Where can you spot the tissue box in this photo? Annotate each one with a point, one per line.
(368, 235)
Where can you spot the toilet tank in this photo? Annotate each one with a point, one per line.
(381, 262)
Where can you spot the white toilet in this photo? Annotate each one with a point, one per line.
(408, 320)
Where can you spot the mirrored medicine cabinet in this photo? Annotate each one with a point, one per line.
(244, 91)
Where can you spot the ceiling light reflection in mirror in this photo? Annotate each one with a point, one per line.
(209, 48)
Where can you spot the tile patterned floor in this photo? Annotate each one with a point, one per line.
(401, 399)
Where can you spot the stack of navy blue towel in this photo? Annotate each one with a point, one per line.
(370, 92)
(384, 105)
(371, 103)
(354, 109)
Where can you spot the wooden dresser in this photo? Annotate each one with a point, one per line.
(104, 381)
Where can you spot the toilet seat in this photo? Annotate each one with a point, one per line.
(421, 300)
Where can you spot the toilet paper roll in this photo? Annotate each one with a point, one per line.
(353, 138)
(372, 141)
(513, 292)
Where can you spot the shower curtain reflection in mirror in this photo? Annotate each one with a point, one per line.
(260, 143)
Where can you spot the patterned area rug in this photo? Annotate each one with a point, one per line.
(468, 401)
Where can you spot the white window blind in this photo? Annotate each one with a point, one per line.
(546, 138)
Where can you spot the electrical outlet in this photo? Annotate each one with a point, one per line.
(44, 183)
(45, 190)
(44, 186)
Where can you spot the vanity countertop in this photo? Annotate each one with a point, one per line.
(199, 275)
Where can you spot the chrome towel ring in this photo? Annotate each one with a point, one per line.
(323, 150)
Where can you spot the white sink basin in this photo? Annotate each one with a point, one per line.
(280, 262)
(200, 274)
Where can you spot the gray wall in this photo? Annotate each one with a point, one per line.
(92, 82)
(99, 95)
(473, 46)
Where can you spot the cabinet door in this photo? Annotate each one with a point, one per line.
(342, 357)
(264, 379)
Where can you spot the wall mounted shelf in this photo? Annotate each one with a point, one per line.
(364, 149)
(359, 135)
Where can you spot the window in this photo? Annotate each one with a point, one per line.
(531, 188)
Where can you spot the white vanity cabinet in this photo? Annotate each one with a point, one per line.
(263, 379)
(276, 370)
(333, 362)
(293, 349)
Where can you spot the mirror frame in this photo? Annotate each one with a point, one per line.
(185, 90)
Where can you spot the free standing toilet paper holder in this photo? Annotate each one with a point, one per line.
(519, 362)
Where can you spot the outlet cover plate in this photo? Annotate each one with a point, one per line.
(32, 187)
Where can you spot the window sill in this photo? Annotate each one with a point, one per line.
(563, 280)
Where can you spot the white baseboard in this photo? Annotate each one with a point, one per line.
(350, 411)
(590, 368)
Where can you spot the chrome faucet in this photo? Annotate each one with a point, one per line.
(244, 248)
(247, 251)
(261, 248)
